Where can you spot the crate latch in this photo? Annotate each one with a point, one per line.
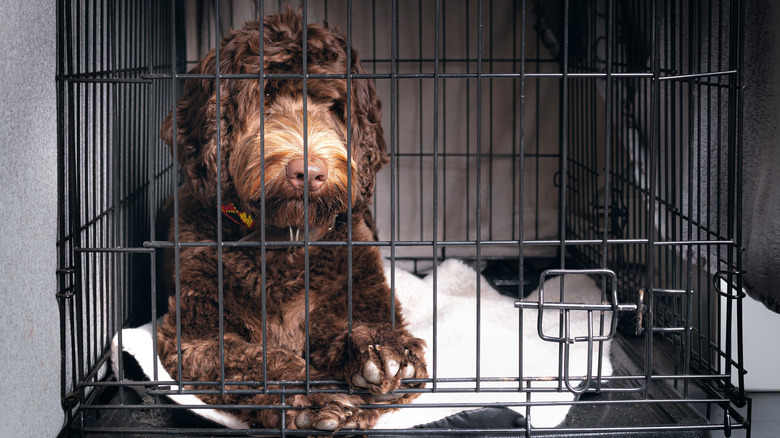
(609, 303)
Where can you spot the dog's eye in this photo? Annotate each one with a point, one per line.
(267, 98)
(338, 109)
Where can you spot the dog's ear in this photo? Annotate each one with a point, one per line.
(195, 132)
(368, 139)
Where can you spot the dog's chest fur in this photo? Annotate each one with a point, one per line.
(287, 290)
(285, 295)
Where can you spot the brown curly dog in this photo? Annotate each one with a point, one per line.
(285, 316)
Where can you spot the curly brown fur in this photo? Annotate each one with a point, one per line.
(378, 352)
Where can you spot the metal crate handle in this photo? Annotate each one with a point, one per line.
(567, 339)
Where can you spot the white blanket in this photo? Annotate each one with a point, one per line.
(456, 354)
(499, 341)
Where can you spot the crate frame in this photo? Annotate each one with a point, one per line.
(112, 93)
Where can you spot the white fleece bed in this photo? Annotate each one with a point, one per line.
(456, 346)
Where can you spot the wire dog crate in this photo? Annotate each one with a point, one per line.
(531, 140)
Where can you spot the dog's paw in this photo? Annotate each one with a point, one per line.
(335, 416)
(382, 358)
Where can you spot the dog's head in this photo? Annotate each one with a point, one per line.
(261, 125)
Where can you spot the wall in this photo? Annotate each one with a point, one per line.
(29, 323)
(760, 359)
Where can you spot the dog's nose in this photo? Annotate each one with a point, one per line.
(317, 173)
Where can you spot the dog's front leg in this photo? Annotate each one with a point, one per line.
(203, 358)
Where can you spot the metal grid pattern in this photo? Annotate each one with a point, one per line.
(112, 170)
(631, 151)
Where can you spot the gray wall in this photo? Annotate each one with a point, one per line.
(29, 321)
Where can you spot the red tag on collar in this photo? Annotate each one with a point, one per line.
(241, 218)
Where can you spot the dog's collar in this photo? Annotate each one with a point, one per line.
(240, 217)
(273, 234)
